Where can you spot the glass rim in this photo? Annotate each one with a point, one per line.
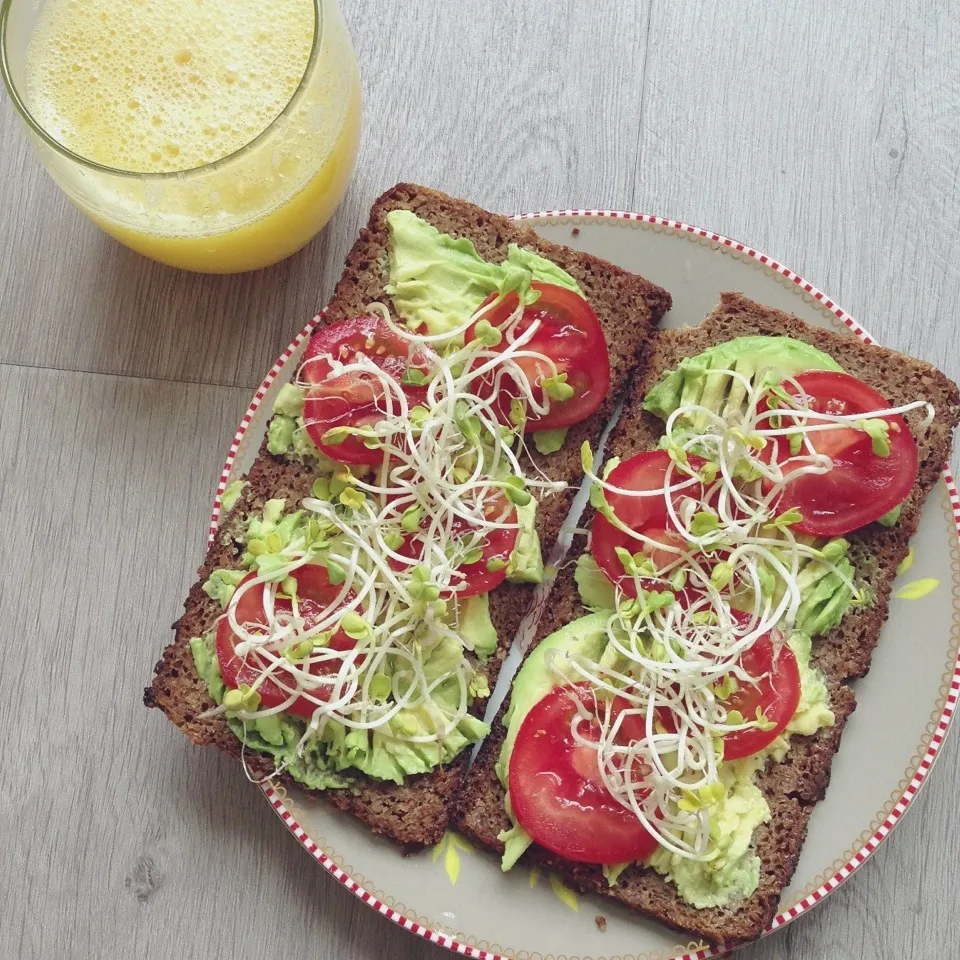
(165, 175)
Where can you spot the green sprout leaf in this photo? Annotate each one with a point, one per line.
(488, 335)
(380, 686)
(549, 441)
(394, 539)
(788, 518)
(767, 579)
(413, 377)
(410, 520)
(721, 575)
(626, 559)
(879, 432)
(752, 440)
(726, 688)
(517, 497)
(586, 457)
(763, 723)
(335, 436)
(557, 388)
(243, 698)
(352, 498)
(469, 424)
(354, 626)
(419, 416)
(704, 522)
(708, 473)
(273, 566)
(335, 573)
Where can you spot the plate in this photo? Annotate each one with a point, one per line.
(456, 896)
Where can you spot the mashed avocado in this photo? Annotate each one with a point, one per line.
(734, 873)
(475, 625)
(231, 495)
(526, 562)
(437, 281)
(693, 383)
(287, 435)
(329, 760)
(386, 753)
(289, 401)
(890, 518)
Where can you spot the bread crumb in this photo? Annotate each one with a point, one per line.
(576, 231)
(601, 922)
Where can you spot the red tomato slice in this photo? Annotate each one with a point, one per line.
(646, 515)
(315, 594)
(776, 694)
(474, 577)
(571, 336)
(352, 399)
(862, 486)
(556, 791)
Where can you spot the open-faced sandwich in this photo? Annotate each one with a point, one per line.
(372, 568)
(670, 732)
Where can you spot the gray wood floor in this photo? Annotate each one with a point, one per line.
(823, 133)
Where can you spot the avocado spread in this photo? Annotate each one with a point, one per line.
(386, 753)
(438, 281)
(329, 759)
(692, 382)
(824, 582)
(734, 873)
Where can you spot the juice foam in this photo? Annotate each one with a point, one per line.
(158, 85)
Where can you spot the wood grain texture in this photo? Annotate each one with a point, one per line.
(823, 133)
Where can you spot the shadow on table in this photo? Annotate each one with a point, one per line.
(136, 317)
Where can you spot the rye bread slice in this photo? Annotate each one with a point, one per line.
(795, 785)
(415, 813)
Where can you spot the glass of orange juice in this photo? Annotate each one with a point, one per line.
(213, 135)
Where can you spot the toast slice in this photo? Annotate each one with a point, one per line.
(795, 785)
(415, 813)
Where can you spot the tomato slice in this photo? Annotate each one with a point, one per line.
(556, 791)
(353, 399)
(862, 486)
(570, 335)
(471, 578)
(315, 593)
(776, 693)
(646, 515)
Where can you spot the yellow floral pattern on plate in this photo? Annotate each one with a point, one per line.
(451, 845)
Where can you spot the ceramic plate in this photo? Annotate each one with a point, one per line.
(457, 896)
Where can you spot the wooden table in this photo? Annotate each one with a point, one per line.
(823, 133)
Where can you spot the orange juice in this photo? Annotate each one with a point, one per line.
(216, 135)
